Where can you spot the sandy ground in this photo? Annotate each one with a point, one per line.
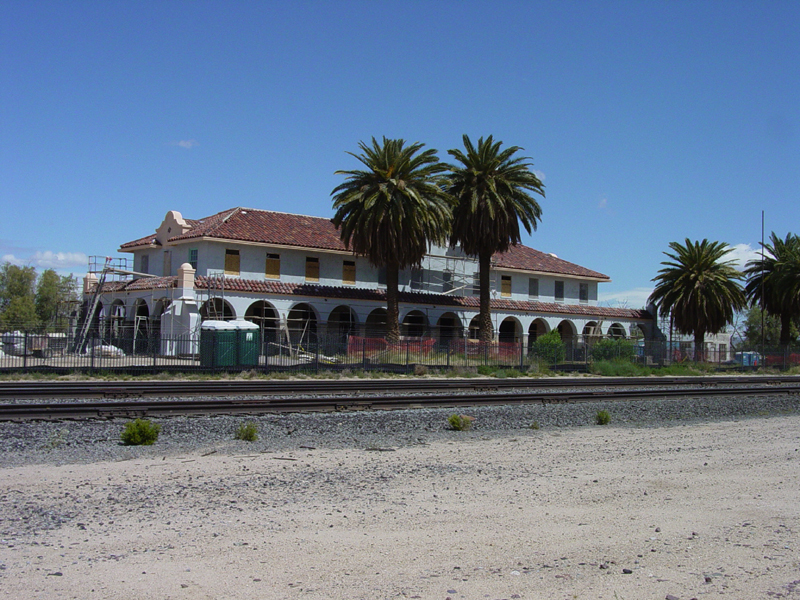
(689, 511)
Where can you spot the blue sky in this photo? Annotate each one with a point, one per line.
(649, 122)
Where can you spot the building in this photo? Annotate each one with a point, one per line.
(292, 275)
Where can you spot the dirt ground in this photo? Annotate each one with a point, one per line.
(706, 510)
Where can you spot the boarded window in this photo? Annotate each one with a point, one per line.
(584, 293)
(312, 269)
(273, 268)
(533, 287)
(559, 294)
(382, 276)
(145, 265)
(505, 286)
(193, 258)
(476, 284)
(231, 262)
(349, 272)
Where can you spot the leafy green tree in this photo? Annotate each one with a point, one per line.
(699, 289)
(17, 296)
(492, 189)
(549, 348)
(616, 349)
(391, 211)
(751, 335)
(773, 281)
(52, 293)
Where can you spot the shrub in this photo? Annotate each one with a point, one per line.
(460, 422)
(420, 370)
(247, 432)
(603, 418)
(617, 349)
(534, 425)
(486, 370)
(549, 348)
(140, 432)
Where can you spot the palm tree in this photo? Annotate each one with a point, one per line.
(390, 211)
(773, 281)
(491, 189)
(699, 289)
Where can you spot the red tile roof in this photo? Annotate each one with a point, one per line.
(284, 229)
(264, 287)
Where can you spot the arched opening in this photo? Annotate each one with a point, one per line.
(537, 329)
(142, 330)
(342, 323)
(475, 328)
(637, 332)
(264, 315)
(616, 332)
(449, 328)
(510, 331)
(301, 322)
(414, 325)
(116, 322)
(375, 325)
(216, 309)
(566, 329)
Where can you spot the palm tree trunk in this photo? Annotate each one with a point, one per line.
(786, 328)
(392, 304)
(699, 346)
(485, 318)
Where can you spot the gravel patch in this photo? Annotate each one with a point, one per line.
(76, 442)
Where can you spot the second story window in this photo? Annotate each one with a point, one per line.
(273, 267)
(349, 272)
(416, 279)
(312, 269)
(145, 264)
(231, 262)
(167, 263)
(559, 293)
(505, 286)
(193, 258)
(382, 276)
(584, 293)
(476, 284)
(447, 282)
(533, 288)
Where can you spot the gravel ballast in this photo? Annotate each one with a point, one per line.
(68, 442)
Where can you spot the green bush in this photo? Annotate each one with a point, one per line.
(534, 425)
(460, 422)
(140, 432)
(247, 432)
(549, 348)
(617, 349)
(603, 418)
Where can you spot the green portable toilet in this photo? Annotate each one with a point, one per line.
(248, 342)
(218, 346)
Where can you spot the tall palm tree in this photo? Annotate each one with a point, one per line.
(699, 289)
(390, 211)
(492, 190)
(773, 281)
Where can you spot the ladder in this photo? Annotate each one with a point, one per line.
(88, 319)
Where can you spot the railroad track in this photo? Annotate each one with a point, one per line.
(310, 398)
(139, 389)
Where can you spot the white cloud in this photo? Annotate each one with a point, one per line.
(49, 260)
(635, 298)
(603, 203)
(539, 174)
(741, 254)
(187, 144)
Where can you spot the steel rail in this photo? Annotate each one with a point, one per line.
(129, 389)
(152, 408)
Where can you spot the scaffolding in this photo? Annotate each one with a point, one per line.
(452, 275)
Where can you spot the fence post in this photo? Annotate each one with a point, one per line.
(153, 344)
(447, 350)
(91, 364)
(364, 353)
(316, 361)
(521, 357)
(407, 354)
